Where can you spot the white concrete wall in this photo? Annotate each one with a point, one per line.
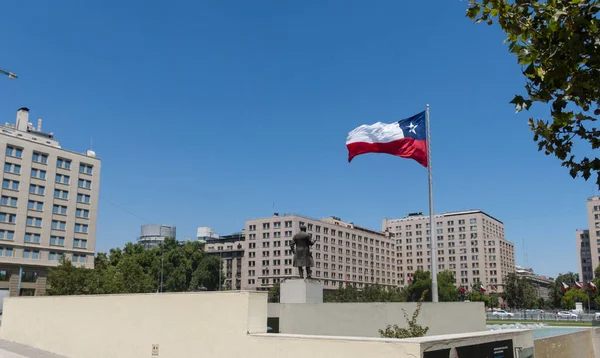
(365, 319)
(223, 324)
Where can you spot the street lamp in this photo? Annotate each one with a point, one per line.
(10, 75)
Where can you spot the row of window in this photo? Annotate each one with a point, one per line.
(37, 222)
(9, 235)
(36, 255)
(41, 190)
(41, 174)
(42, 158)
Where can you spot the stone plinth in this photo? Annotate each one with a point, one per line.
(301, 291)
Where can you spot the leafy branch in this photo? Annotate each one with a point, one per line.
(414, 329)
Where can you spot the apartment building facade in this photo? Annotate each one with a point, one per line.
(230, 250)
(343, 253)
(588, 241)
(471, 244)
(48, 206)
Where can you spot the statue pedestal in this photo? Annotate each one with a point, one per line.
(301, 291)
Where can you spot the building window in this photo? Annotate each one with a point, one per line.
(37, 189)
(82, 213)
(29, 276)
(57, 241)
(31, 254)
(8, 218)
(59, 209)
(33, 221)
(7, 235)
(14, 151)
(12, 168)
(62, 179)
(83, 228)
(32, 238)
(59, 225)
(63, 163)
(38, 173)
(10, 184)
(87, 184)
(61, 194)
(40, 158)
(8, 201)
(55, 256)
(35, 205)
(473, 228)
(81, 243)
(85, 168)
(79, 258)
(83, 198)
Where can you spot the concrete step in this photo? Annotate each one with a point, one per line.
(15, 350)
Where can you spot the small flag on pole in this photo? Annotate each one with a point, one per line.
(592, 286)
(406, 138)
(564, 287)
(577, 286)
(462, 289)
(482, 289)
(494, 288)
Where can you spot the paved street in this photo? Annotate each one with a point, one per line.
(14, 350)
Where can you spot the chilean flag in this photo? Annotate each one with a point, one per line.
(406, 138)
(482, 289)
(462, 289)
(577, 286)
(565, 287)
(592, 286)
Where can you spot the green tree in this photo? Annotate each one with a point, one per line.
(556, 290)
(274, 293)
(133, 269)
(447, 291)
(518, 292)
(556, 44)
(414, 329)
(574, 295)
(67, 279)
(369, 293)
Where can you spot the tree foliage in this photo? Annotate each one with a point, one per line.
(556, 292)
(370, 293)
(557, 44)
(447, 291)
(519, 293)
(414, 329)
(136, 270)
(574, 295)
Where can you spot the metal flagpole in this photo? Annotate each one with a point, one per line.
(432, 232)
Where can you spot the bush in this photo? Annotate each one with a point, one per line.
(414, 329)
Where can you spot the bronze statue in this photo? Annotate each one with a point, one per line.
(300, 246)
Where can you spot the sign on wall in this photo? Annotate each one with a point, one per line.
(499, 349)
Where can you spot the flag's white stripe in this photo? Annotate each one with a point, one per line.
(375, 133)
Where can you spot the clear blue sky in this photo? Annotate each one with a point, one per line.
(210, 113)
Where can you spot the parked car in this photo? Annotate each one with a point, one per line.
(567, 315)
(597, 315)
(502, 314)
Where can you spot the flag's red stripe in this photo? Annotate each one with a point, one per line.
(405, 148)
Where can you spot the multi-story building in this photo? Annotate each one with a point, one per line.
(230, 250)
(151, 235)
(540, 284)
(343, 253)
(470, 244)
(48, 206)
(588, 241)
(584, 254)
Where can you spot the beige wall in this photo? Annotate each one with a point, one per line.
(365, 319)
(190, 325)
(572, 345)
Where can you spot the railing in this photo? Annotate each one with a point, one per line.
(545, 316)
